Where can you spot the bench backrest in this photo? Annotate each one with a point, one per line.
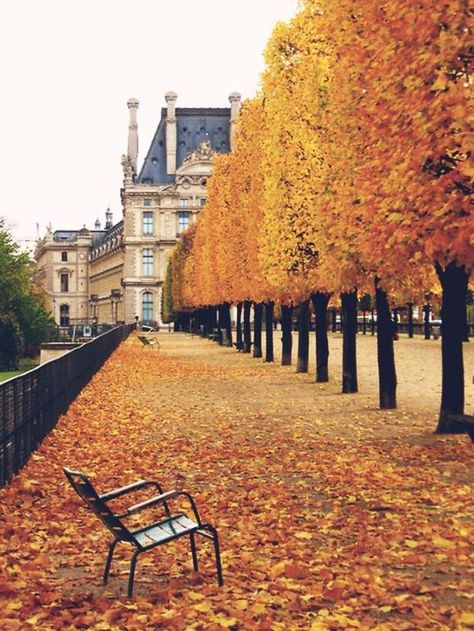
(144, 339)
(84, 488)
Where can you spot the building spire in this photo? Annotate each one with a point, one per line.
(234, 99)
(170, 98)
(133, 133)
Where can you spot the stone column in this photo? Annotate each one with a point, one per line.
(170, 98)
(133, 133)
(234, 99)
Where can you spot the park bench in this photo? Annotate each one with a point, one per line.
(215, 336)
(149, 341)
(168, 527)
(463, 422)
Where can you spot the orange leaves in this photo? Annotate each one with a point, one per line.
(316, 531)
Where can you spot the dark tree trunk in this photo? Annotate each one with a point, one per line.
(385, 354)
(286, 335)
(410, 319)
(372, 322)
(257, 329)
(466, 324)
(334, 320)
(303, 337)
(349, 330)
(225, 324)
(320, 302)
(454, 281)
(426, 321)
(239, 342)
(364, 322)
(247, 335)
(269, 332)
(221, 324)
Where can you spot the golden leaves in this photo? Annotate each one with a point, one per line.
(316, 532)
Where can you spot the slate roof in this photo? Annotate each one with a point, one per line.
(193, 126)
(65, 236)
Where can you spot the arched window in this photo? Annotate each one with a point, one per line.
(64, 315)
(147, 306)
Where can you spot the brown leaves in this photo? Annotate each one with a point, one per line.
(316, 532)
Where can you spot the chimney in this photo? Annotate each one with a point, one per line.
(108, 219)
(170, 98)
(234, 99)
(133, 133)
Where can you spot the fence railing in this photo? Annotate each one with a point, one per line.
(31, 404)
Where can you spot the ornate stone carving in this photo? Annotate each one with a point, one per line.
(128, 171)
(204, 152)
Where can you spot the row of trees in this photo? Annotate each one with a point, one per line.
(23, 316)
(352, 174)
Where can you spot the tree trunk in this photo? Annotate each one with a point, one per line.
(269, 332)
(333, 320)
(239, 343)
(349, 330)
(454, 281)
(364, 322)
(410, 319)
(257, 329)
(372, 322)
(385, 355)
(320, 302)
(286, 335)
(247, 335)
(221, 324)
(426, 321)
(225, 324)
(303, 337)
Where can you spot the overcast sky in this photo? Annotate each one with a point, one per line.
(68, 69)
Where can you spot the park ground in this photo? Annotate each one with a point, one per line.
(332, 513)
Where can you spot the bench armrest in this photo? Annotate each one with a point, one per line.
(162, 499)
(158, 499)
(130, 488)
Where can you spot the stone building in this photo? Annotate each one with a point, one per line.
(116, 273)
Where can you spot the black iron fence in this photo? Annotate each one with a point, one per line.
(31, 404)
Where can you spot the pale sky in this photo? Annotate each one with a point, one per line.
(67, 71)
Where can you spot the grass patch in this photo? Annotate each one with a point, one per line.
(9, 374)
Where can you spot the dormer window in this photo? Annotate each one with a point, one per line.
(64, 257)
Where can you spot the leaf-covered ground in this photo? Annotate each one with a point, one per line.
(331, 513)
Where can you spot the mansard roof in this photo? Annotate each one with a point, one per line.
(193, 126)
(98, 236)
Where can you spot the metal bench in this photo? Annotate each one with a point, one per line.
(463, 423)
(149, 341)
(168, 527)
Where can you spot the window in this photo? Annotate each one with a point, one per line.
(202, 201)
(147, 306)
(148, 222)
(183, 221)
(64, 315)
(148, 262)
(64, 282)
(147, 202)
(183, 202)
(64, 257)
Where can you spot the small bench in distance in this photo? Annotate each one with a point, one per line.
(149, 341)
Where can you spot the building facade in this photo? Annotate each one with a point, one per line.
(116, 273)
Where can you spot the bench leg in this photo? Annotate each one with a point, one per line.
(109, 560)
(215, 538)
(131, 576)
(194, 553)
